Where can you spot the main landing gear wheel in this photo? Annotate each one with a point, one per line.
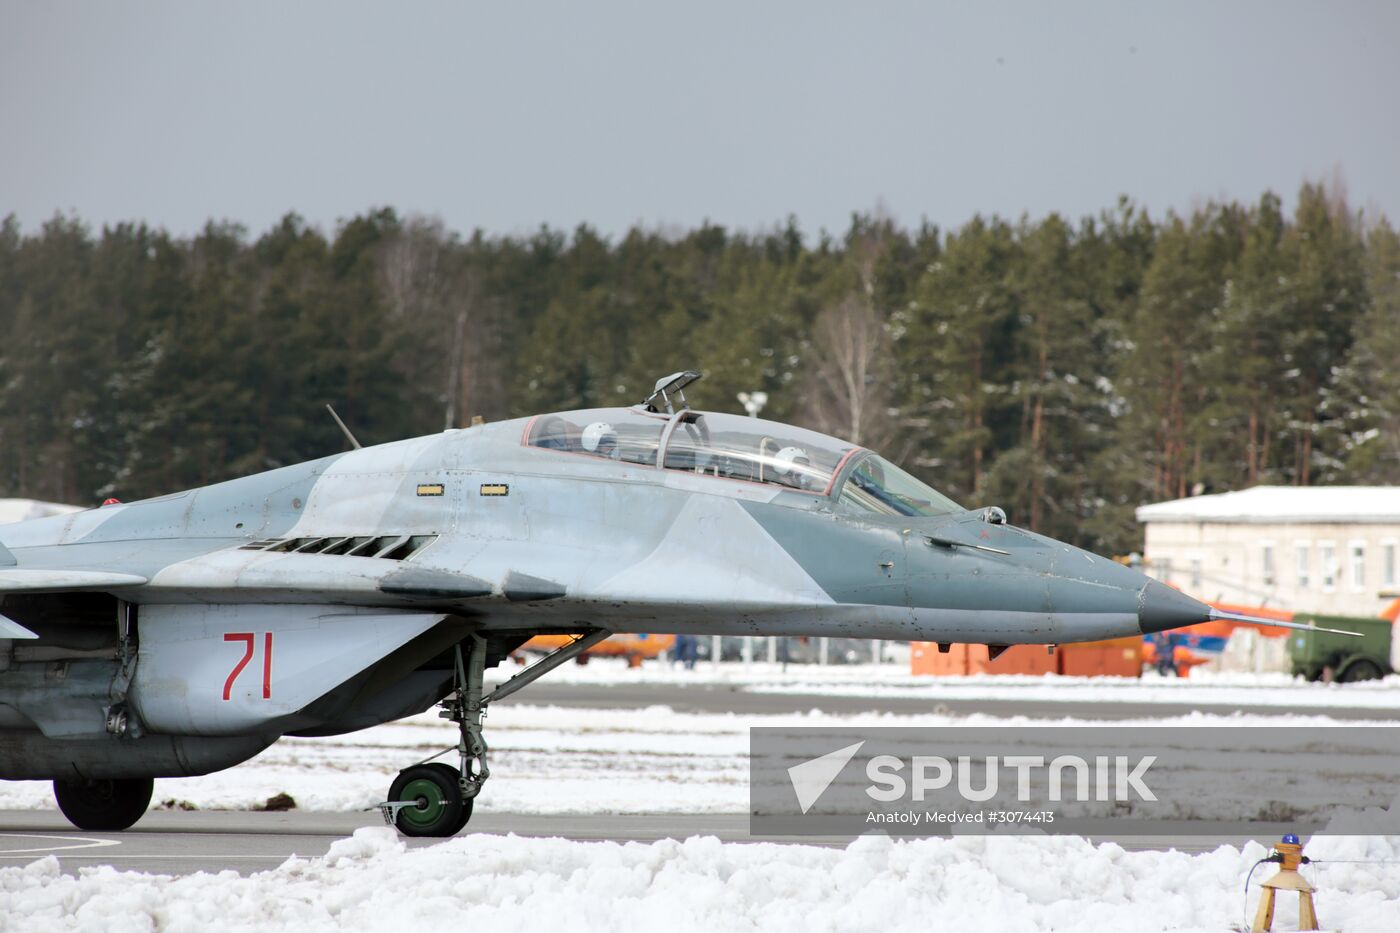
(433, 793)
(104, 806)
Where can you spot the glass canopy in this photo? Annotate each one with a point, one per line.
(745, 449)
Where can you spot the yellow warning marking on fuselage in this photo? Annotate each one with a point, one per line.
(430, 489)
(495, 489)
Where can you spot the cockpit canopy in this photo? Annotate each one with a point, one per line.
(745, 449)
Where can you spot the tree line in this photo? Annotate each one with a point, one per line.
(1067, 371)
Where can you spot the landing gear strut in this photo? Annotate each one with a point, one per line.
(104, 806)
(435, 799)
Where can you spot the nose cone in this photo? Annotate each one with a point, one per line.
(1160, 608)
(1050, 576)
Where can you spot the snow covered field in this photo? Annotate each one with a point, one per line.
(1222, 691)
(507, 883)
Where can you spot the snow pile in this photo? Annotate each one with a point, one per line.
(506, 883)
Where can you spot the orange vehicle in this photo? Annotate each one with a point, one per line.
(635, 648)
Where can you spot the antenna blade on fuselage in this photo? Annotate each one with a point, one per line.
(344, 430)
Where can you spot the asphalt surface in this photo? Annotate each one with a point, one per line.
(735, 698)
(176, 842)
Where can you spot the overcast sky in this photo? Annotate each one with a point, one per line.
(507, 115)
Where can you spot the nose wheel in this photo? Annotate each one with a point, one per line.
(436, 799)
(427, 800)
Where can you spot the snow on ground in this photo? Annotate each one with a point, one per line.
(551, 760)
(613, 670)
(373, 882)
(1203, 688)
(1303, 696)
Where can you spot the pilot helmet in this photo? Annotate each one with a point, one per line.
(792, 464)
(600, 438)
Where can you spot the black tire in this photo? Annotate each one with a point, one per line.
(1359, 670)
(104, 806)
(455, 777)
(437, 797)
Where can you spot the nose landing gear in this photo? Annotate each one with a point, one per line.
(435, 799)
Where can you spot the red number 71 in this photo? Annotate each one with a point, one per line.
(249, 640)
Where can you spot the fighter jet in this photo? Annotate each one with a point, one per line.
(184, 634)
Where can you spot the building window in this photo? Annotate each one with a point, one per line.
(1303, 581)
(1268, 563)
(1163, 569)
(1327, 558)
(1388, 563)
(1358, 565)
(1195, 574)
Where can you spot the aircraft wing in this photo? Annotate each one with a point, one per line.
(237, 575)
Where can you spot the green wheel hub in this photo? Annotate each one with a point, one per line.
(431, 802)
(432, 794)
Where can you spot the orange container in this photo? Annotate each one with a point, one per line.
(925, 658)
(961, 660)
(1120, 657)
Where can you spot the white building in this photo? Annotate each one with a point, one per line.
(1327, 549)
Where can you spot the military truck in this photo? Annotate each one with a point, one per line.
(1342, 658)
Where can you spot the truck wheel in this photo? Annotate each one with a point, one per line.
(1359, 670)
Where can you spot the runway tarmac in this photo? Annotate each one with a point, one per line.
(178, 842)
(174, 842)
(735, 698)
